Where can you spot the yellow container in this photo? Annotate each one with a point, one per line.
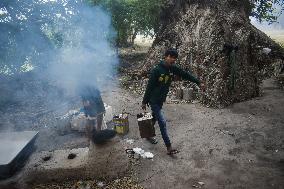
(121, 124)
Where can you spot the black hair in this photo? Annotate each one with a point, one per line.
(172, 53)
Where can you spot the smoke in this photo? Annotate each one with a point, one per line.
(86, 56)
(48, 47)
(66, 42)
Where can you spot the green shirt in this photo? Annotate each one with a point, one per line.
(160, 81)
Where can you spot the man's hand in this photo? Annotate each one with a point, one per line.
(144, 106)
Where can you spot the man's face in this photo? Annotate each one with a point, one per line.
(170, 60)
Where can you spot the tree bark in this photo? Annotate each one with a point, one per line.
(216, 40)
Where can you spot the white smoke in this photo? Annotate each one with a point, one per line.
(61, 43)
(86, 56)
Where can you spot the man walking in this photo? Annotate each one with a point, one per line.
(158, 88)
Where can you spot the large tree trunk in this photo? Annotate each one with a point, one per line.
(205, 33)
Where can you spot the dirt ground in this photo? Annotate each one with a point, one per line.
(237, 147)
(241, 146)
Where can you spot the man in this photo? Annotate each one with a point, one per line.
(94, 110)
(158, 88)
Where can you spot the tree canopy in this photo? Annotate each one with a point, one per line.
(132, 17)
(47, 18)
(267, 10)
(33, 32)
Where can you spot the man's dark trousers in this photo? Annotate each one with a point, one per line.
(158, 116)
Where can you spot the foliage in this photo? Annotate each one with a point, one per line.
(32, 32)
(32, 22)
(267, 10)
(132, 17)
(29, 32)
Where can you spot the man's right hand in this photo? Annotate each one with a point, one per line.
(143, 106)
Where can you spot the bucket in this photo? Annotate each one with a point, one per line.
(121, 123)
(146, 126)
